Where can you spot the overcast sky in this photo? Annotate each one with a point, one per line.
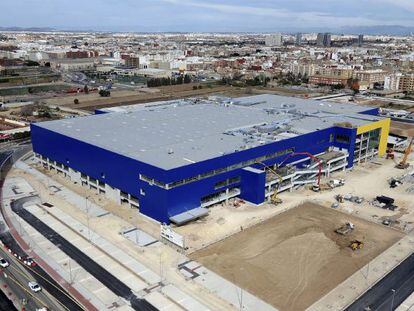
(205, 15)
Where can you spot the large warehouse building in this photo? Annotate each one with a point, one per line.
(173, 159)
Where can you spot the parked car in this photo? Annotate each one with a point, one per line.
(34, 287)
(29, 262)
(4, 263)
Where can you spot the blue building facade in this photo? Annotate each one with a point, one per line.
(165, 193)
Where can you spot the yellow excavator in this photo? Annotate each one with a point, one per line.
(404, 164)
(356, 244)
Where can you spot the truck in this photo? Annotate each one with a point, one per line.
(345, 229)
(333, 183)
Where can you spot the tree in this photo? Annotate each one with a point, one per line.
(104, 93)
(27, 110)
(21, 135)
(31, 63)
(187, 79)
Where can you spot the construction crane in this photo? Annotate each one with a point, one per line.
(274, 199)
(403, 164)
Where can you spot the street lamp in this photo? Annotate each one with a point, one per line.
(392, 300)
(87, 217)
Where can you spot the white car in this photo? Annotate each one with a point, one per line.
(4, 263)
(34, 287)
(29, 261)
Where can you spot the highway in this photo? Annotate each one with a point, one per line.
(102, 275)
(17, 278)
(18, 274)
(391, 291)
(38, 274)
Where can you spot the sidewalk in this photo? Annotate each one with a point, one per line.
(96, 292)
(10, 192)
(133, 273)
(85, 205)
(142, 280)
(187, 294)
(407, 304)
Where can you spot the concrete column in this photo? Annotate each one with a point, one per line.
(113, 194)
(227, 195)
(360, 148)
(74, 176)
(367, 150)
(269, 188)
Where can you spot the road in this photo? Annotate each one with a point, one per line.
(102, 275)
(17, 278)
(391, 291)
(21, 273)
(38, 274)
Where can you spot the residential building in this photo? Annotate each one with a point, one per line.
(407, 82)
(274, 39)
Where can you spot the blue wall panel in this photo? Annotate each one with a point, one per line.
(372, 112)
(123, 173)
(253, 186)
(120, 172)
(351, 133)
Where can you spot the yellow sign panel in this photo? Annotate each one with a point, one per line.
(384, 125)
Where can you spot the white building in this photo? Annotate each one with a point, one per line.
(274, 39)
(392, 82)
(73, 64)
(303, 69)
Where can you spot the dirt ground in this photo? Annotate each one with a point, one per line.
(293, 259)
(93, 101)
(402, 129)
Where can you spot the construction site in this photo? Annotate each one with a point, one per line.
(280, 214)
(287, 259)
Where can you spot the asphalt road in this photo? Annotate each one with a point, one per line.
(17, 278)
(391, 291)
(102, 275)
(37, 273)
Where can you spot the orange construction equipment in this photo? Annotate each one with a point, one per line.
(274, 199)
(403, 164)
(390, 154)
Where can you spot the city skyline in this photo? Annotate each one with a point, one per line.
(207, 15)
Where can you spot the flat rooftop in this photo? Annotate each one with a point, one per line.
(175, 133)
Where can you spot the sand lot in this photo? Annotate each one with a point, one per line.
(402, 129)
(293, 259)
